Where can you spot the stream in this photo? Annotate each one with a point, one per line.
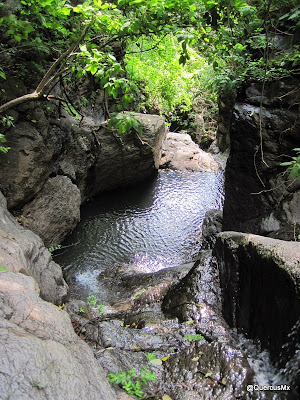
(151, 227)
(154, 225)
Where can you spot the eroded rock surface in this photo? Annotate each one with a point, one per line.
(260, 281)
(187, 344)
(23, 251)
(181, 153)
(126, 159)
(260, 196)
(55, 211)
(41, 356)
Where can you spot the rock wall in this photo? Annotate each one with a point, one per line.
(23, 251)
(50, 151)
(41, 356)
(260, 282)
(260, 197)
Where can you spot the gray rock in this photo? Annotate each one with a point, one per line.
(208, 371)
(212, 225)
(26, 166)
(181, 153)
(22, 251)
(197, 298)
(41, 356)
(260, 281)
(259, 193)
(55, 211)
(126, 159)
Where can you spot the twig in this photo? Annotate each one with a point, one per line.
(256, 170)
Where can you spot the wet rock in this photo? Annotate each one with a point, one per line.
(22, 251)
(41, 356)
(131, 290)
(180, 152)
(209, 371)
(55, 211)
(225, 104)
(212, 225)
(260, 281)
(196, 298)
(281, 93)
(260, 196)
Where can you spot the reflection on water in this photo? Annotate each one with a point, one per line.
(151, 226)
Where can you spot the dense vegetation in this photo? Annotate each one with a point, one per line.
(155, 55)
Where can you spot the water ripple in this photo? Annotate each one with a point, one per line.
(152, 226)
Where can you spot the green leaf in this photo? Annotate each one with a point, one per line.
(94, 69)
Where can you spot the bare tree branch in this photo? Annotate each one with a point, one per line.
(53, 72)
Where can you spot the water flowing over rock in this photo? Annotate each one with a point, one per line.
(181, 153)
(260, 282)
(41, 356)
(261, 198)
(23, 251)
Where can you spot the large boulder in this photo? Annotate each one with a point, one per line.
(46, 141)
(23, 251)
(260, 282)
(129, 158)
(181, 153)
(26, 166)
(55, 211)
(261, 197)
(41, 356)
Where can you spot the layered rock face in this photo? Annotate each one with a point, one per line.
(41, 356)
(23, 251)
(56, 162)
(260, 196)
(260, 282)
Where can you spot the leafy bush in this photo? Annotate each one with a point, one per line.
(154, 65)
(133, 382)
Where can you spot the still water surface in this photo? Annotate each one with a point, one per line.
(151, 226)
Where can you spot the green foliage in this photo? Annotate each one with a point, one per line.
(146, 53)
(133, 382)
(154, 65)
(36, 384)
(81, 310)
(3, 149)
(92, 301)
(293, 165)
(101, 309)
(124, 123)
(196, 336)
(7, 121)
(3, 268)
(52, 249)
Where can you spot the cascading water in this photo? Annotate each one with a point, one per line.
(152, 226)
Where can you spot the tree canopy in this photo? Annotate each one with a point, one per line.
(241, 39)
